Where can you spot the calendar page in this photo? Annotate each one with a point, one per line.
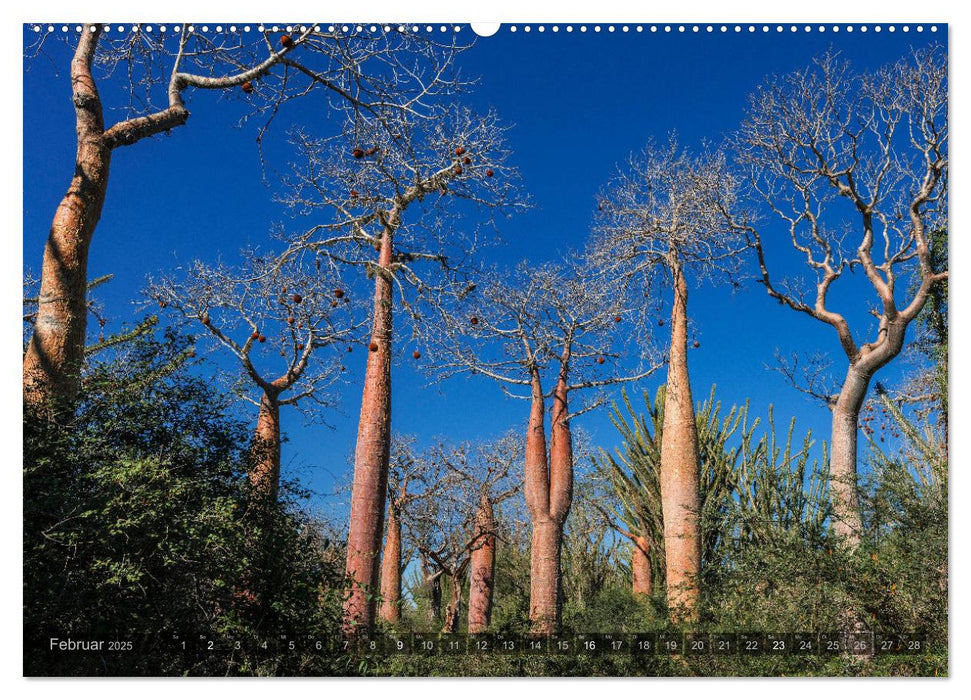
(499, 350)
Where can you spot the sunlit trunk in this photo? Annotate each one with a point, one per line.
(640, 566)
(843, 449)
(483, 564)
(371, 459)
(55, 353)
(679, 468)
(391, 571)
(264, 471)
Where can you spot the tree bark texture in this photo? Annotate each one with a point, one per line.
(680, 473)
(549, 495)
(55, 353)
(641, 572)
(453, 610)
(483, 564)
(264, 472)
(371, 458)
(391, 571)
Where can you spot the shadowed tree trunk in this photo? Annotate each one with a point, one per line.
(483, 563)
(371, 458)
(453, 611)
(264, 473)
(549, 494)
(640, 567)
(52, 364)
(391, 571)
(432, 576)
(679, 469)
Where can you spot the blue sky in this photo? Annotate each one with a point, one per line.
(579, 103)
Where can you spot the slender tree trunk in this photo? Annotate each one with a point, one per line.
(391, 571)
(847, 520)
(483, 563)
(371, 459)
(264, 472)
(55, 353)
(433, 587)
(641, 568)
(680, 473)
(453, 610)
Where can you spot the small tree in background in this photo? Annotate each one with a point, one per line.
(277, 318)
(411, 477)
(388, 196)
(454, 529)
(662, 217)
(564, 322)
(389, 75)
(855, 165)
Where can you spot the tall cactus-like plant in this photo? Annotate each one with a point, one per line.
(780, 493)
(633, 473)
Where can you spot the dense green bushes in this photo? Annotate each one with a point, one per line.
(138, 525)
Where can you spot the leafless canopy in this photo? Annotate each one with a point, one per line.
(440, 518)
(419, 180)
(666, 205)
(369, 75)
(569, 318)
(276, 319)
(855, 166)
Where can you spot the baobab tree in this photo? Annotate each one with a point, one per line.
(854, 165)
(454, 530)
(392, 73)
(561, 322)
(277, 320)
(633, 474)
(411, 478)
(388, 199)
(660, 220)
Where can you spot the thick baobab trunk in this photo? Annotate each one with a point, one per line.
(680, 499)
(483, 564)
(641, 568)
(371, 458)
(549, 494)
(544, 576)
(847, 520)
(52, 363)
(264, 471)
(391, 571)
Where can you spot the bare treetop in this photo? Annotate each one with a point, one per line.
(369, 75)
(554, 316)
(855, 165)
(271, 317)
(667, 201)
(442, 527)
(364, 179)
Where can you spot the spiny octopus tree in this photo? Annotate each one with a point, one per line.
(660, 220)
(276, 320)
(390, 198)
(854, 165)
(455, 531)
(149, 72)
(558, 323)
